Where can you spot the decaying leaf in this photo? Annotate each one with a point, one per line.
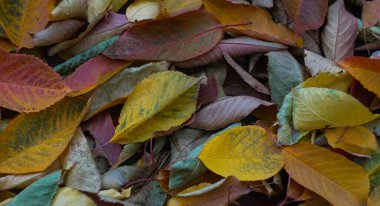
(250, 151)
(28, 84)
(169, 39)
(170, 102)
(21, 18)
(330, 175)
(318, 108)
(68, 196)
(258, 22)
(32, 142)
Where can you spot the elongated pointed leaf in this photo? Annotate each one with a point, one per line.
(339, 34)
(28, 84)
(239, 46)
(258, 20)
(317, 108)
(328, 174)
(250, 153)
(170, 102)
(31, 142)
(172, 39)
(226, 111)
(93, 73)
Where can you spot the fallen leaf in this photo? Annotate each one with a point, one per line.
(32, 142)
(169, 39)
(230, 190)
(93, 73)
(21, 18)
(339, 34)
(102, 129)
(174, 8)
(263, 3)
(89, 9)
(374, 198)
(328, 174)
(317, 64)
(306, 14)
(258, 20)
(170, 102)
(21, 181)
(284, 72)
(77, 159)
(142, 10)
(226, 111)
(39, 193)
(57, 32)
(370, 13)
(365, 70)
(112, 193)
(239, 46)
(28, 84)
(318, 108)
(112, 24)
(183, 141)
(356, 140)
(339, 81)
(249, 150)
(117, 89)
(128, 151)
(69, 196)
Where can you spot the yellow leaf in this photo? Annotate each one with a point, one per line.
(158, 103)
(318, 108)
(328, 174)
(259, 22)
(117, 4)
(365, 70)
(32, 142)
(20, 18)
(356, 140)
(194, 188)
(142, 10)
(339, 81)
(67, 196)
(114, 194)
(174, 7)
(249, 151)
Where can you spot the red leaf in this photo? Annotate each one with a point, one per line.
(172, 39)
(93, 73)
(27, 84)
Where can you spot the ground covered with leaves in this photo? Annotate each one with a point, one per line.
(189, 102)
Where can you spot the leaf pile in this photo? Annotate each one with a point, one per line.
(189, 102)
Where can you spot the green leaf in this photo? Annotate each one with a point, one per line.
(285, 73)
(71, 64)
(39, 193)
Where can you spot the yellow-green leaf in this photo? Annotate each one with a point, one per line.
(158, 103)
(143, 10)
(32, 142)
(246, 152)
(328, 174)
(339, 81)
(356, 140)
(318, 108)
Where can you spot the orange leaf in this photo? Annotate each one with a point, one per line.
(21, 18)
(259, 22)
(365, 70)
(328, 174)
(27, 84)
